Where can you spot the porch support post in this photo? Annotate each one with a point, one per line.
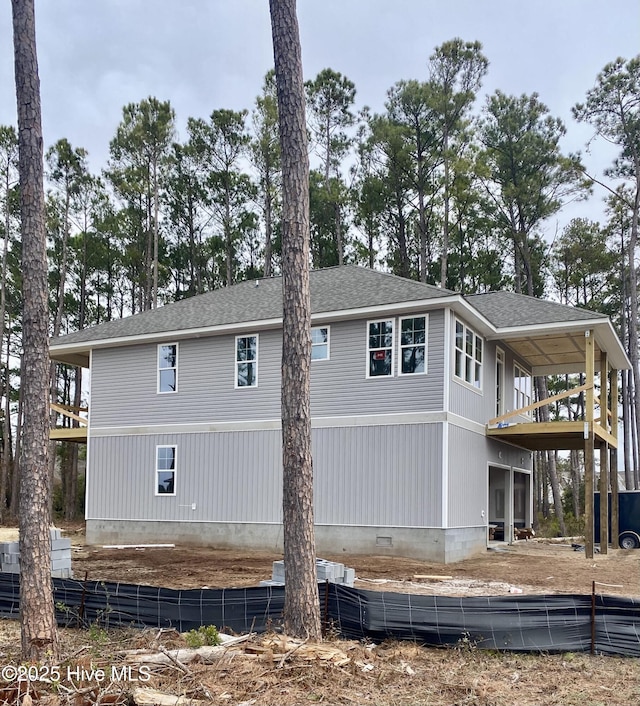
(588, 445)
(613, 462)
(604, 455)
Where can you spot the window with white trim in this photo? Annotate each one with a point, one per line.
(246, 361)
(380, 348)
(166, 470)
(167, 367)
(413, 345)
(500, 368)
(320, 343)
(468, 355)
(522, 384)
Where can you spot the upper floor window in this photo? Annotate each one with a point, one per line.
(499, 382)
(468, 352)
(320, 343)
(246, 361)
(166, 470)
(168, 367)
(522, 388)
(413, 345)
(380, 348)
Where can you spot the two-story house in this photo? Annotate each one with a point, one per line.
(416, 447)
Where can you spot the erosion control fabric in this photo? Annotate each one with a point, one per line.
(553, 623)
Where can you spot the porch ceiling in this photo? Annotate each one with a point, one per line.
(558, 352)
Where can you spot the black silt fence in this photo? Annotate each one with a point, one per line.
(548, 623)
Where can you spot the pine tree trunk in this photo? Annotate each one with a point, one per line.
(302, 608)
(38, 625)
(542, 391)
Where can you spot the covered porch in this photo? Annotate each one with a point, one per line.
(597, 355)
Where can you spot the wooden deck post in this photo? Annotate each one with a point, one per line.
(604, 455)
(613, 462)
(588, 445)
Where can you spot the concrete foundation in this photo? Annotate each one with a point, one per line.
(428, 544)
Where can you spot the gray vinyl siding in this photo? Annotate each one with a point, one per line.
(469, 457)
(467, 478)
(379, 475)
(124, 381)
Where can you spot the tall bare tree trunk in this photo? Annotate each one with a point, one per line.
(38, 625)
(302, 607)
(542, 391)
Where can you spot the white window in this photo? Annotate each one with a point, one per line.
(522, 388)
(320, 343)
(246, 361)
(166, 470)
(380, 348)
(499, 382)
(413, 345)
(168, 367)
(468, 352)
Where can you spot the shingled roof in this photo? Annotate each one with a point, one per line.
(508, 309)
(345, 291)
(332, 289)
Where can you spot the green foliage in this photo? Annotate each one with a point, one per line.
(204, 635)
(549, 527)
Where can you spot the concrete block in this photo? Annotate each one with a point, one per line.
(58, 564)
(10, 558)
(10, 548)
(271, 583)
(55, 533)
(349, 577)
(10, 568)
(58, 544)
(62, 574)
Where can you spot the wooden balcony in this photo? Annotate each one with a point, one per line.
(558, 435)
(78, 425)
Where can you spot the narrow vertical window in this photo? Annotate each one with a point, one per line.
(413, 345)
(246, 361)
(320, 343)
(165, 470)
(380, 348)
(468, 355)
(168, 367)
(499, 382)
(522, 388)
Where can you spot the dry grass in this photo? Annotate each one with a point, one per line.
(390, 674)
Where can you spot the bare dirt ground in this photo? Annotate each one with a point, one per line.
(537, 566)
(351, 673)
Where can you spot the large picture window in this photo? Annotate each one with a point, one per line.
(522, 388)
(320, 343)
(468, 355)
(168, 367)
(380, 348)
(246, 361)
(413, 345)
(165, 470)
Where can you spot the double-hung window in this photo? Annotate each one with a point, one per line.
(413, 345)
(168, 367)
(166, 470)
(468, 355)
(380, 348)
(320, 343)
(522, 388)
(246, 361)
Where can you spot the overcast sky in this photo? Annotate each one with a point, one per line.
(95, 56)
